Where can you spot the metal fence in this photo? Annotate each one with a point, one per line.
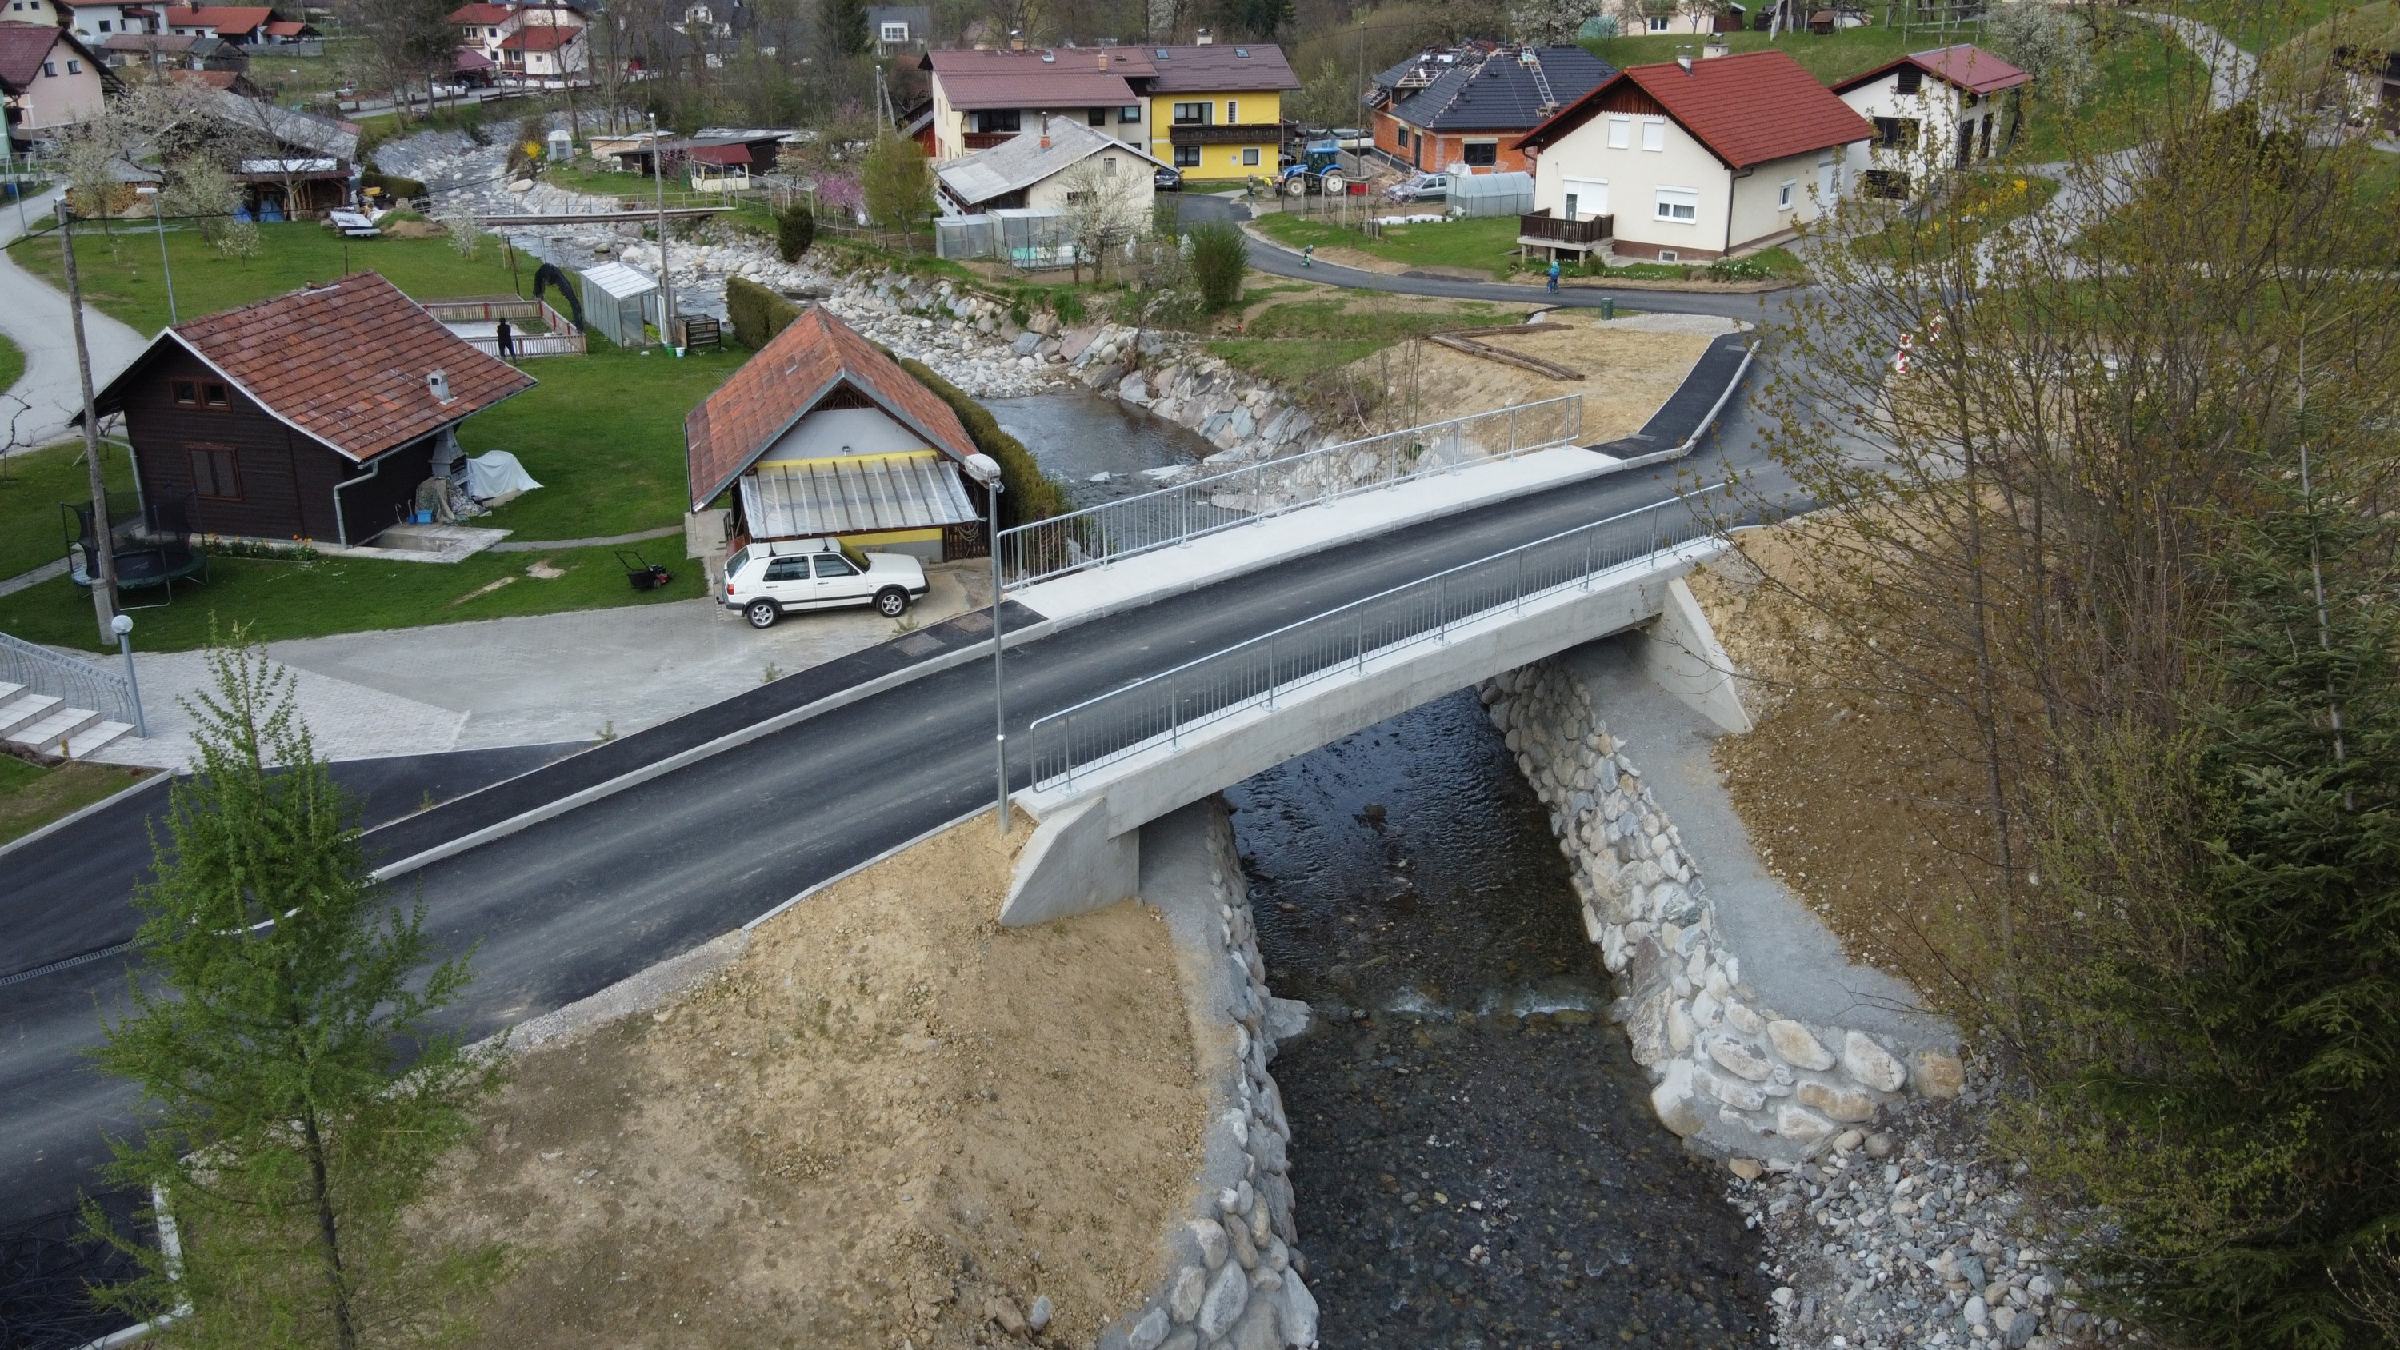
(563, 338)
(1130, 526)
(77, 683)
(1157, 710)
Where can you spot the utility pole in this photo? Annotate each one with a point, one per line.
(158, 217)
(666, 281)
(103, 562)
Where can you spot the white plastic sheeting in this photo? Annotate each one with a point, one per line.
(495, 473)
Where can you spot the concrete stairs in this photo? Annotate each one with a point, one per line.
(40, 722)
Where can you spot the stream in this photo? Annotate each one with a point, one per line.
(1474, 1155)
(1097, 448)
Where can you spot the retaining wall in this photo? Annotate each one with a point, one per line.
(1731, 1075)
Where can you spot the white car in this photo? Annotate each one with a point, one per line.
(1424, 187)
(767, 581)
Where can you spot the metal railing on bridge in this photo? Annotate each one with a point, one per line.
(1160, 709)
(75, 682)
(1126, 528)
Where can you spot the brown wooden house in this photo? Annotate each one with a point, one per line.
(315, 415)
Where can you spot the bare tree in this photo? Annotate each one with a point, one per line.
(1103, 209)
(406, 43)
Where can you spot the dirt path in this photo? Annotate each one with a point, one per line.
(1630, 367)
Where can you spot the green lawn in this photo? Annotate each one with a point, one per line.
(1980, 205)
(2258, 25)
(2138, 65)
(1487, 245)
(31, 488)
(603, 433)
(12, 364)
(1828, 57)
(32, 795)
(277, 599)
(751, 209)
(120, 271)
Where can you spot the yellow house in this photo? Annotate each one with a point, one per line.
(1216, 109)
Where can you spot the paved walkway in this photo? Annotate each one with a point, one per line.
(597, 541)
(527, 681)
(34, 316)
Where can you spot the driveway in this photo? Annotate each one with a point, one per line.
(35, 317)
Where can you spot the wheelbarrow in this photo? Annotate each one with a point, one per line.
(641, 573)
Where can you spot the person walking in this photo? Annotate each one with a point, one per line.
(508, 337)
(1308, 256)
(1554, 276)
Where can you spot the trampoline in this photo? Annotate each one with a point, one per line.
(159, 555)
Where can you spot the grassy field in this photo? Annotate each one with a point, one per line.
(32, 795)
(751, 210)
(277, 599)
(2138, 65)
(32, 486)
(1297, 341)
(1487, 245)
(604, 435)
(12, 364)
(2260, 25)
(1828, 57)
(120, 271)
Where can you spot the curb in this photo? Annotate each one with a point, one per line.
(157, 778)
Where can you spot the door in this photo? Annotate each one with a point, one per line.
(787, 582)
(1586, 198)
(839, 582)
(1966, 144)
(1829, 180)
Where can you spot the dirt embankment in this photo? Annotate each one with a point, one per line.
(888, 1121)
(1630, 366)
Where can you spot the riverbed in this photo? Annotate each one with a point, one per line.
(1473, 1152)
(1097, 448)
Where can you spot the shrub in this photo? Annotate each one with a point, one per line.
(1220, 258)
(1032, 495)
(1737, 269)
(795, 230)
(898, 182)
(758, 314)
(395, 188)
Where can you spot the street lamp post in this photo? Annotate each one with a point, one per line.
(158, 218)
(122, 626)
(986, 470)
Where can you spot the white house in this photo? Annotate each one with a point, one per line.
(1942, 109)
(96, 21)
(1034, 170)
(543, 51)
(1689, 160)
(31, 11)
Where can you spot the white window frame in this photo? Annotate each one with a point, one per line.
(1662, 205)
(1654, 135)
(1786, 193)
(1620, 131)
(1108, 165)
(1249, 156)
(1657, 23)
(895, 32)
(1233, 113)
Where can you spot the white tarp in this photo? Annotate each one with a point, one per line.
(496, 473)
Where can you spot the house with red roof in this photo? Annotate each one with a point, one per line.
(50, 78)
(96, 21)
(542, 52)
(1688, 161)
(822, 436)
(1933, 111)
(245, 24)
(314, 415)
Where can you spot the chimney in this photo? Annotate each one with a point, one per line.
(1683, 58)
(1099, 59)
(1714, 48)
(438, 384)
(1201, 38)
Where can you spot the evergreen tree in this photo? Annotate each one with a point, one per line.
(298, 1103)
(2235, 1100)
(847, 32)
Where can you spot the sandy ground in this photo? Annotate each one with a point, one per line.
(1846, 804)
(888, 1122)
(1631, 366)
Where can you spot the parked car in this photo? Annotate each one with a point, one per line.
(767, 581)
(1424, 187)
(1167, 180)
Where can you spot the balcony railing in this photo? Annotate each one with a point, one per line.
(1552, 229)
(985, 140)
(1226, 133)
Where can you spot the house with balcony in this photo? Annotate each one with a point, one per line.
(1688, 160)
(543, 53)
(1470, 106)
(1933, 111)
(1216, 109)
(51, 80)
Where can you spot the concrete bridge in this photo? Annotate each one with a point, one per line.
(1105, 767)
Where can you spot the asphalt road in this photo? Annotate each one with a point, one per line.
(567, 907)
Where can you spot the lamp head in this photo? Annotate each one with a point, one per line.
(121, 625)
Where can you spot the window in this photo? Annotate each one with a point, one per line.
(1884, 184)
(1250, 157)
(1005, 120)
(1678, 204)
(212, 395)
(1783, 195)
(1095, 117)
(1896, 133)
(214, 473)
(1654, 134)
(1192, 114)
(49, 67)
(104, 25)
(1233, 113)
(1482, 154)
(1108, 165)
(1669, 255)
(787, 569)
(1909, 80)
(187, 394)
(895, 32)
(1187, 157)
(74, 67)
(1620, 133)
(834, 565)
(1131, 112)
(1656, 23)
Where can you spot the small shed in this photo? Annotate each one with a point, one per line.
(1491, 194)
(618, 301)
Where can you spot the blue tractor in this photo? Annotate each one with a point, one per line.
(1319, 171)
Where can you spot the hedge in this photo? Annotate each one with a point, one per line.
(758, 313)
(1032, 495)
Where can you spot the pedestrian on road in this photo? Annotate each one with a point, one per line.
(1554, 276)
(508, 338)
(1308, 256)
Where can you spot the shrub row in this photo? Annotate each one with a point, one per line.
(1032, 495)
(758, 313)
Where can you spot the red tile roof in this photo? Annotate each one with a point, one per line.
(788, 378)
(1745, 109)
(1074, 77)
(22, 49)
(223, 19)
(1965, 66)
(287, 28)
(344, 364)
(540, 37)
(481, 15)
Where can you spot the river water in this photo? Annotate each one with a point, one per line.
(1473, 1151)
(1096, 447)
